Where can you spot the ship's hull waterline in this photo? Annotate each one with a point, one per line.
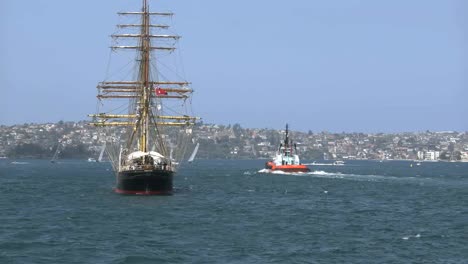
(141, 182)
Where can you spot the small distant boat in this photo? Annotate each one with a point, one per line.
(56, 154)
(194, 153)
(339, 163)
(92, 160)
(286, 159)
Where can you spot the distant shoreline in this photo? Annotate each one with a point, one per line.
(261, 159)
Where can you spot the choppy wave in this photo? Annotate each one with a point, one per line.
(266, 213)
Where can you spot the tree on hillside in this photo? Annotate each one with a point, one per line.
(28, 151)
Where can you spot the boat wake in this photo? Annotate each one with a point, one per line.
(339, 175)
(324, 164)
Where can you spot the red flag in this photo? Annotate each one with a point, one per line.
(160, 91)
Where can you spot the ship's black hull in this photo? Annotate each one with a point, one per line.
(140, 182)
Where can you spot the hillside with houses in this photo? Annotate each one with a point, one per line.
(79, 140)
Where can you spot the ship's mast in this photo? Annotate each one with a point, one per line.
(286, 140)
(145, 78)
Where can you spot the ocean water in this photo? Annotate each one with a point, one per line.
(228, 212)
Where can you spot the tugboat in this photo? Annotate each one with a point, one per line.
(286, 159)
(144, 114)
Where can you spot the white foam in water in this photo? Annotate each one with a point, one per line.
(279, 172)
(323, 164)
(334, 175)
(323, 173)
(408, 237)
(340, 175)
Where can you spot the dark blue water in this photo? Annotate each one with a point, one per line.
(226, 212)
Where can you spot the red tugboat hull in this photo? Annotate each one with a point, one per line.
(286, 168)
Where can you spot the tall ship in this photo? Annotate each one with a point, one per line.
(144, 104)
(286, 158)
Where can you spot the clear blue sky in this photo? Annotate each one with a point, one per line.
(335, 65)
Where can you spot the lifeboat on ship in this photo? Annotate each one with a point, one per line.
(286, 159)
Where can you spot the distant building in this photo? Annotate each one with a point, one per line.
(428, 155)
(432, 155)
(464, 156)
(420, 155)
